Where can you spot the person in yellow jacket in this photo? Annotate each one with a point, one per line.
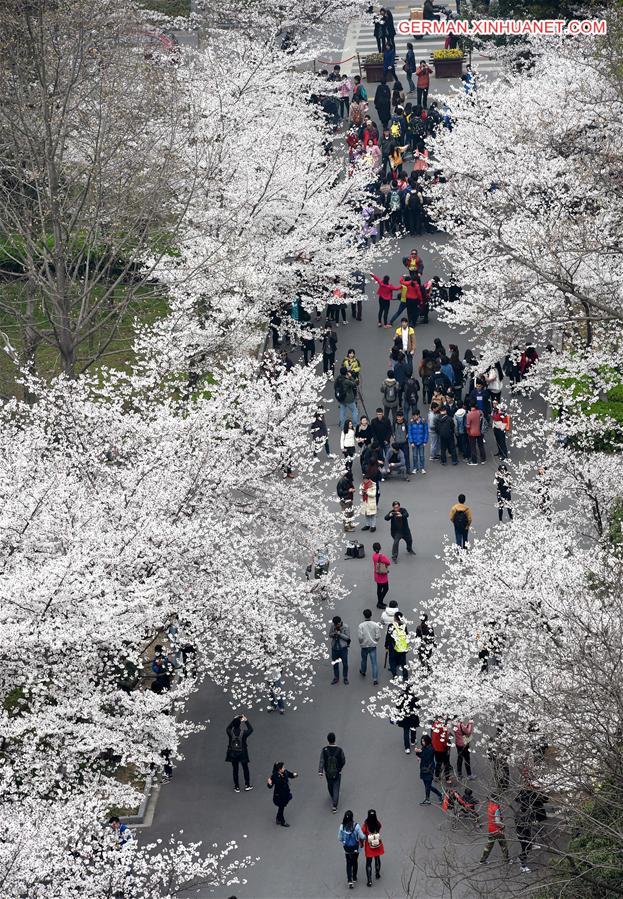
(461, 518)
(407, 335)
(352, 364)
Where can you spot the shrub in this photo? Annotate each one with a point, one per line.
(447, 54)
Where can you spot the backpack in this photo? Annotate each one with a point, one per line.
(394, 128)
(461, 520)
(351, 840)
(400, 638)
(340, 391)
(394, 201)
(331, 767)
(390, 393)
(235, 744)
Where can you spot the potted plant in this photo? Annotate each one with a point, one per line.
(448, 63)
(373, 64)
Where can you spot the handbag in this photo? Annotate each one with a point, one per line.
(374, 840)
(382, 568)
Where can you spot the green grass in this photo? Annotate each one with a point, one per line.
(168, 7)
(148, 306)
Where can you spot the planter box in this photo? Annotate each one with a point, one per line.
(448, 68)
(374, 72)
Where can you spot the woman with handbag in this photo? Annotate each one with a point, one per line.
(380, 567)
(368, 498)
(373, 846)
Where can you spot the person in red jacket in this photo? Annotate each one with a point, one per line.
(423, 73)
(473, 428)
(380, 569)
(373, 846)
(440, 736)
(384, 293)
(495, 828)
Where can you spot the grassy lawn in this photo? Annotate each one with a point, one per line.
(147, 307)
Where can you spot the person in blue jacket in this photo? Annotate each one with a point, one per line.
(351, 836)
(418, 438)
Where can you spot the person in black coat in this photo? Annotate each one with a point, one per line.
(408, 719)
(238, 732)
(445, 429)
(381, 428)
(383, 103)
(279, 783)
(399, 528)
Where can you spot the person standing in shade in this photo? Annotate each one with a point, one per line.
(399, 529)
(427, 768)
(351, 837)
(495, 828)
(380, 568)
(461, 518)
(369, 634)
(373, 846)
(238, 732)
(279, 783)
(339, 636)
(332, 760)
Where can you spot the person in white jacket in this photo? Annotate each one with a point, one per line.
(347, 442)
(369, 634)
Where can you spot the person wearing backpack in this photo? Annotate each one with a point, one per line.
(351, 837)
(373, 846)
(410, 397)
(380, 568)
(390, 391)
(473, 426)
(332, 760)
(238, 732)
(461, 518)
(398, 633)
(345, 390)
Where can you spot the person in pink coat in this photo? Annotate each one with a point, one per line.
(463, 731)
(380, 568)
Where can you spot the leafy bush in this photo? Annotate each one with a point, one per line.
(373, 59)
(447, 54)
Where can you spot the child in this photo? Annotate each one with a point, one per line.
(418, 438)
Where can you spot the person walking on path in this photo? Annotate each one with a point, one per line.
(385, 293)
(339, 636)
(391, 394)
(279, 783)
(440, 737)
(427, 769)
(495, 828)
(503, 486)
(332, 760)
(463, 731)
(351, 836)
(369, 634)
(380, 568)
(399, 529)
(408, 718)
(461, 518)
(398, 638)
(373, 846)
(238, 732)
(320, 433)
(473, 426)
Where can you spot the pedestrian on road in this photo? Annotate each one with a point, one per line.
(381, 429)
(390, 28)
(418, 438)
(238, 732)
(463, 731)
(445, 430)
(380, 568)
(387, 615)
(495, 828)
(408, 718)
(339, 636)
(410, 67)
(427, 768)
(369, 634)
(345, 391)
(320, 433)
(385, 293)
(440, 736)
(433, 419)
(398, 641)
(373, 846)
(461, 518)
(382, 102)
(346, 490)
(279, 783)
(473, 426)
(426, 637)
(347, 442)
(423, 73)
(369, 507)
(351, 836)
(501, 427)
(329, 349)
(399, 529)
(503, 488)
(332, 760)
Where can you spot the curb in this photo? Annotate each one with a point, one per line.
(147, 808)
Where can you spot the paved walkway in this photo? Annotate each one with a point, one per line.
(306, 861)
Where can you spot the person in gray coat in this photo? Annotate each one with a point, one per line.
(369, 634)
